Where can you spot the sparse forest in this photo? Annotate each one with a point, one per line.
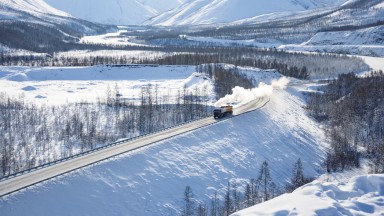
(35, 135)
(353, 109)
(238, 196)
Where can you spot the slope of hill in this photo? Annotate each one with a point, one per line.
(33, 6)
(151, 181)
(218, 11)
(118, 12)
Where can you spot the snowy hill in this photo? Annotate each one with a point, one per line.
(219, 11)
(118, 12)
(151, 181)
(362, 195)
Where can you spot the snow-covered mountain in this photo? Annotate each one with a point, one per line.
(39, 12)
(118, 12)
(223, 11)
(180, 12)
(44, 26)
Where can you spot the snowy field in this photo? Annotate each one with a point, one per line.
(89, 84)
(155, 177)
(115, 38)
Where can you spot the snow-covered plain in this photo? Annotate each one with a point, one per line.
(362, 195)
(151, 181)
(88, 84)
(114, 38)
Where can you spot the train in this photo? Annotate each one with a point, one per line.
(222, 111)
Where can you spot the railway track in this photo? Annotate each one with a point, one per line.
(32, 177)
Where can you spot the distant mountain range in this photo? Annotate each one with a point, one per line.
(180, 12)
(197, 12)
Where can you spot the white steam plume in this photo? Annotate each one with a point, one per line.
(242, 96)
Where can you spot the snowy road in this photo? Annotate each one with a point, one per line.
(17, 183)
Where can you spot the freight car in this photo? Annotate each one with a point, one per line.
(222, 111)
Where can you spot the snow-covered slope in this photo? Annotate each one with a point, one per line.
(151, 181)
(43, 25)
(367, 36)
(118, 12)
(362, 195)
(33, 6)
(223, 11)
(367, 41)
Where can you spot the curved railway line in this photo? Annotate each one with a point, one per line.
(17, 182)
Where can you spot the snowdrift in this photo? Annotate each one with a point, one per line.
(362, 195)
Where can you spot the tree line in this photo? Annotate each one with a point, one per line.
(298, 65)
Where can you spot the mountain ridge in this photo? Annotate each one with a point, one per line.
(180, 12)
(217, 11)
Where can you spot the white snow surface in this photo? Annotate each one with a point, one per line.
(362, 195)
(151, 180)
(115, 38)
(53, 85)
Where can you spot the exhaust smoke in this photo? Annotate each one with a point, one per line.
(242, 96)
